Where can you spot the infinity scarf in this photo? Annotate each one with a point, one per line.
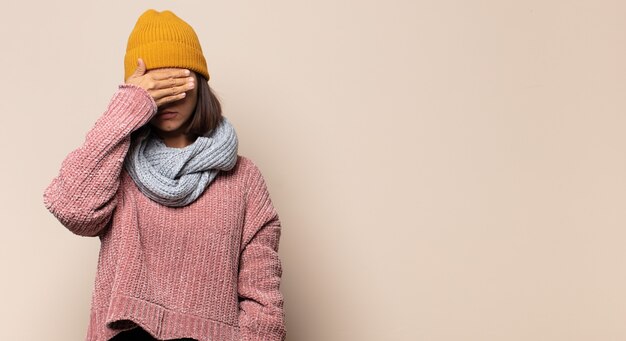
(177, 176)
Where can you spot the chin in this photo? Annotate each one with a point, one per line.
(167, 129)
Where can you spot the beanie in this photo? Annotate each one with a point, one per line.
(162, 39)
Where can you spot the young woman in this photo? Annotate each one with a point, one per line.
(189, 236)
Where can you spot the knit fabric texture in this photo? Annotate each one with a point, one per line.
(178, 176)
(163, 39)
(208, 271)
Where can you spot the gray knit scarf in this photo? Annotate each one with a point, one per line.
(177, 176)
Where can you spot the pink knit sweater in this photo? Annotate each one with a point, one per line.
(208, 271)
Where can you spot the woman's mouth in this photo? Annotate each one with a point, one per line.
(166, 114)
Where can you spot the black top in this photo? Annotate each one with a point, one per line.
(139, 334)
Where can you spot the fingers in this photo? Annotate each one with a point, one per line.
(141, 68)
(160, 74)
(176, 82)
(168, 99)
(173, 91)
(170, 86)
(163, 79)
(164, 84)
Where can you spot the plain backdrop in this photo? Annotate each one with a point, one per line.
(444, 170)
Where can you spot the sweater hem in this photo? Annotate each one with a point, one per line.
(125, 312)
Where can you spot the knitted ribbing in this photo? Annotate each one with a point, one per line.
(177, 176)
(209, 270)
(163, 39)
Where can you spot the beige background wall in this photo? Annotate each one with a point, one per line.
(444, 170)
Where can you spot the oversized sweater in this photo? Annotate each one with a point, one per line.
(209, 270)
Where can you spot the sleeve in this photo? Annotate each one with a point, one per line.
(261, 314)
(82, 195)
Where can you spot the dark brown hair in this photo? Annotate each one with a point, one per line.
(208, 112)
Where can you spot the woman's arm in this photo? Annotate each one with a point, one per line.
(82, 195)
(261, 314)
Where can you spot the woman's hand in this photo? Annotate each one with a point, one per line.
(164, 85)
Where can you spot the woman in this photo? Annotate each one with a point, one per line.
(189, 235)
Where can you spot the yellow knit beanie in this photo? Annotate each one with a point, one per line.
(162, 39)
